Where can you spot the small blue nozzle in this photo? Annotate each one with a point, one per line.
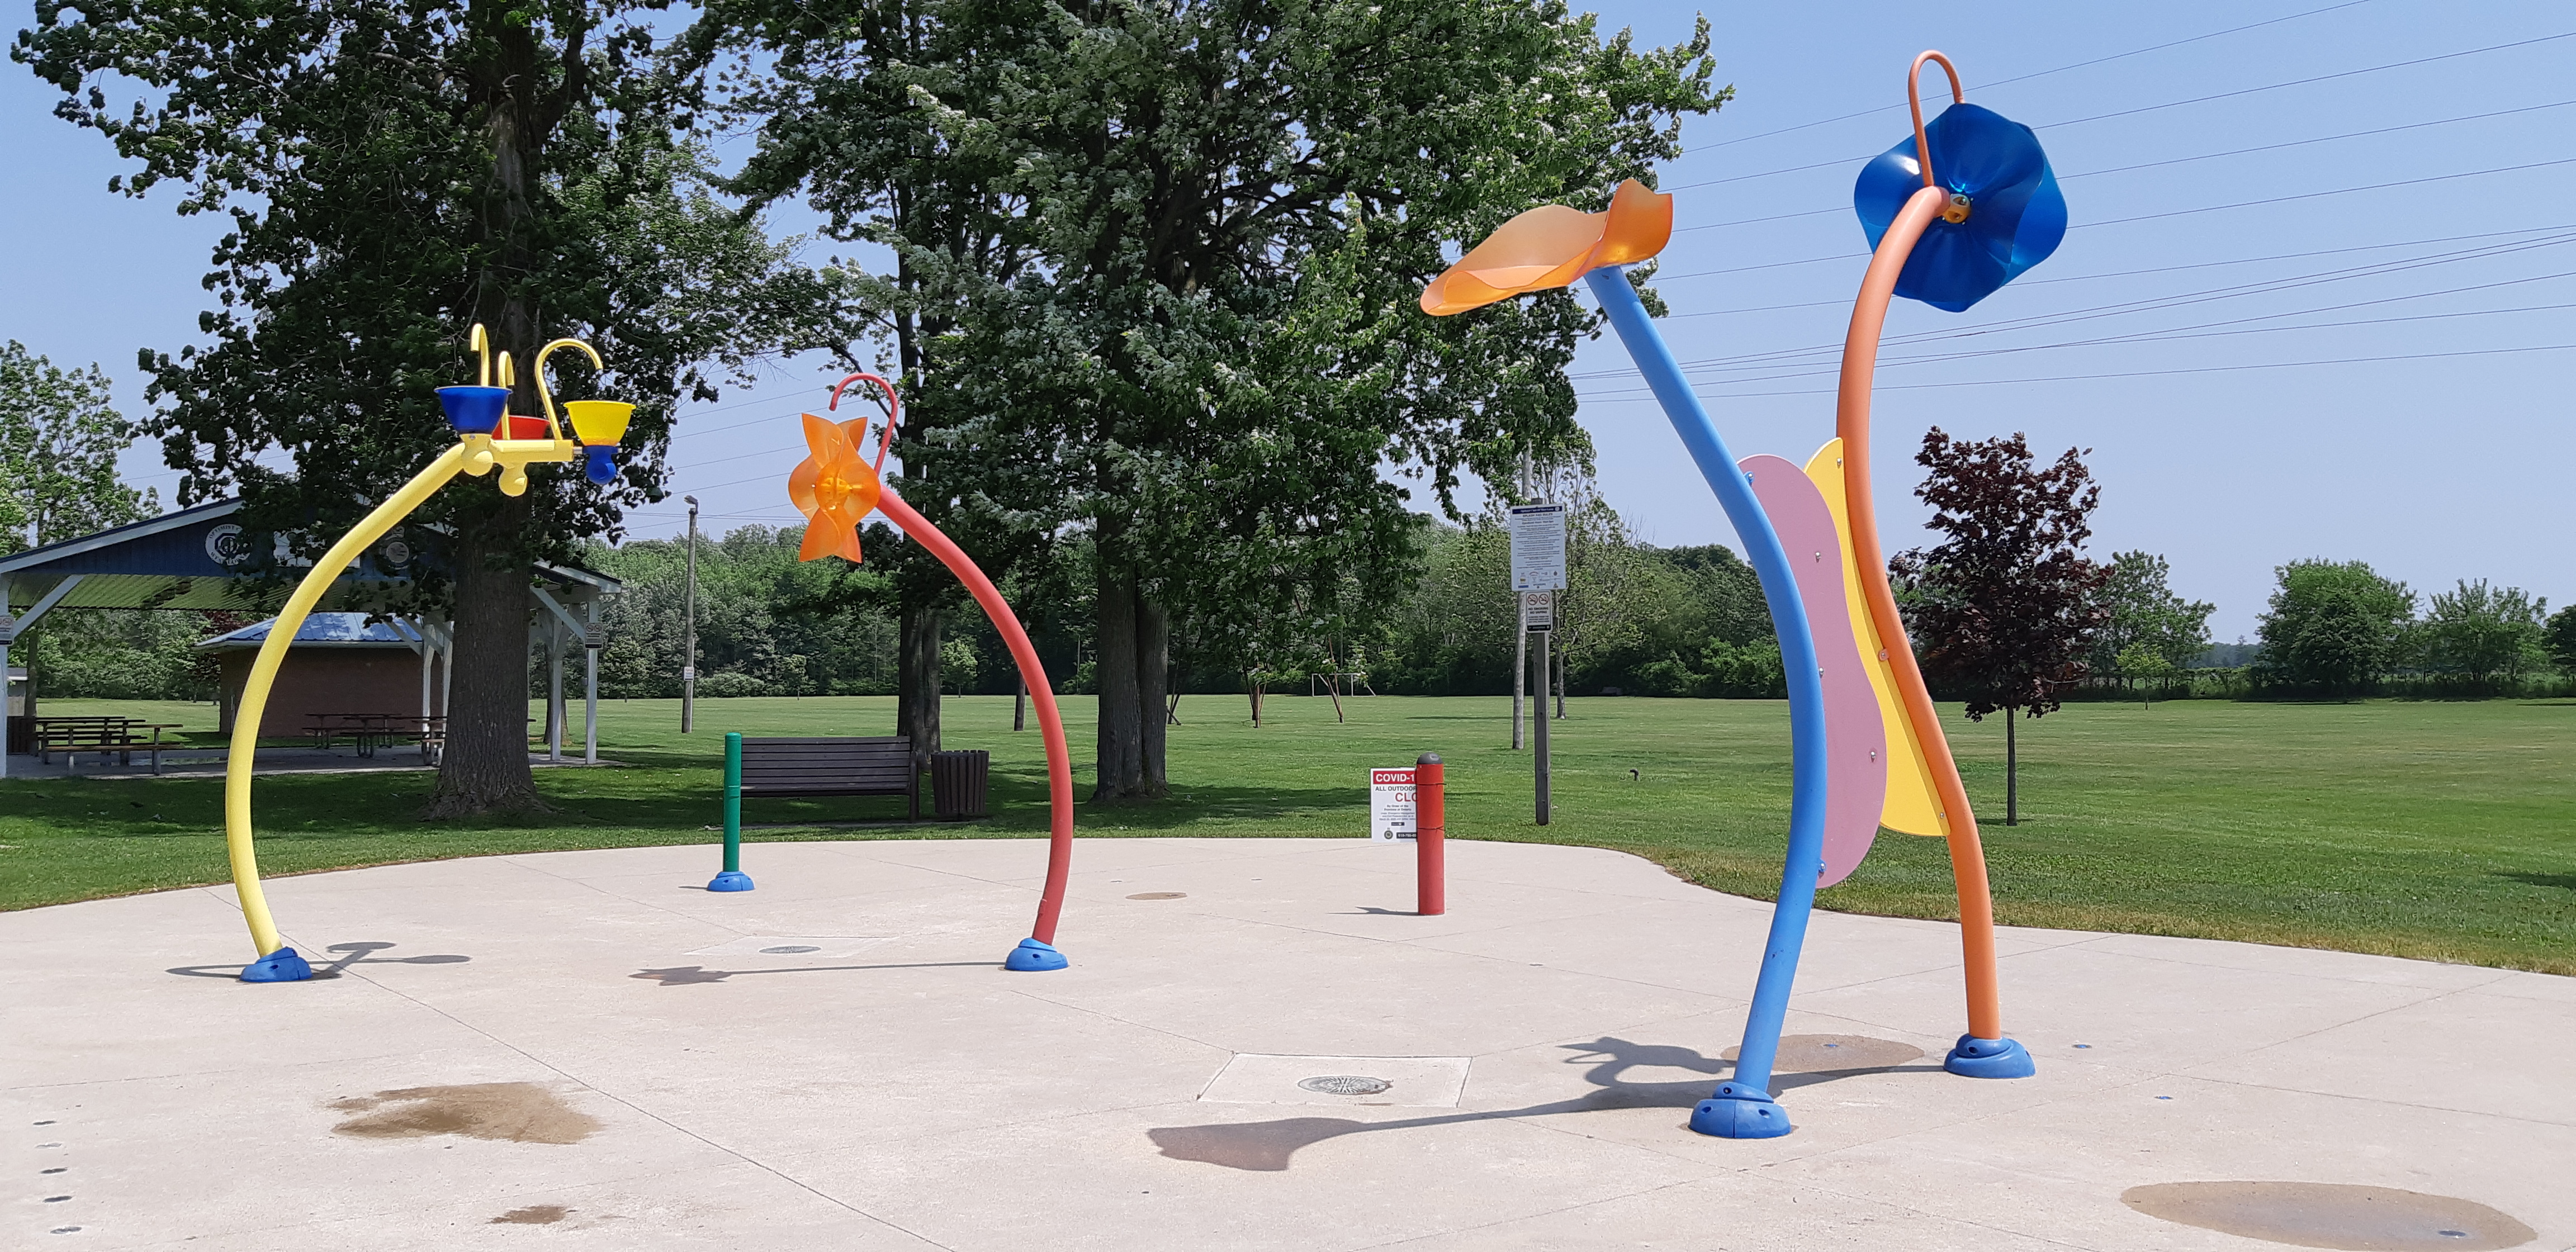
(599, 464)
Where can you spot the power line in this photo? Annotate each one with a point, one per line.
(2301, 143)
(2339, 191)
(2077, 278)
(2320, 78)
(2202, 330)
(2306, 195)
(2059, 70)
(1787, 356)
(2150, 304)
(2123, 169)
(2207, 369)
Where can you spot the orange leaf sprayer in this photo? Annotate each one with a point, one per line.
(1551, 246)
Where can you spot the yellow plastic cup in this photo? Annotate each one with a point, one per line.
(599, 423)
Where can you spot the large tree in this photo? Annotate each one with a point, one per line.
(396, 173)
(2333, 627)
(1171, 251)
(59, 439)
(2003, 607)
(2485, 635)
(2143, 618)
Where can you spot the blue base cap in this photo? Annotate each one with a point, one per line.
(1740, 1112)
(1989, 1058)
(730, 880)
(282, 965)
(1032, 955)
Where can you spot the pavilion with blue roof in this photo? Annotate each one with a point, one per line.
(204, 558)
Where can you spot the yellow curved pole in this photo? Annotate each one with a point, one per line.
(545, 394)
(263, 672)
(481, 346)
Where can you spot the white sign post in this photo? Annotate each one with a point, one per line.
(1391, 805)
(1538, 547)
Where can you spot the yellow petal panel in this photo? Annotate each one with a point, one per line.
(1909, 808)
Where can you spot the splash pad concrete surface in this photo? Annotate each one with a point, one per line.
(587, 1049)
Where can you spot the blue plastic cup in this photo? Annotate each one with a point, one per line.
(474, 410)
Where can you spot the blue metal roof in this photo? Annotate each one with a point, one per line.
(329, 629)
(203, 558)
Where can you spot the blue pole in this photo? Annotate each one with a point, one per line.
(1742, 1107)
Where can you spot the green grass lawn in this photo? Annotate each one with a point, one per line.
(2435, 830)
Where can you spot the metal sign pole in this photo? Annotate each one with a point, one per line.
(1539, 723)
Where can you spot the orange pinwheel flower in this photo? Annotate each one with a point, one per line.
(1551, 246)
(834, 489)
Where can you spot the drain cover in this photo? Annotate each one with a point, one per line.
(1345, 1085)
(1158, 895)
(790, 949)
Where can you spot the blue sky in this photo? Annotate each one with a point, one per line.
(2432, 443)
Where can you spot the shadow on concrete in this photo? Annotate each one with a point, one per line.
(688, 975)
(1269, 1146)
(351, 954)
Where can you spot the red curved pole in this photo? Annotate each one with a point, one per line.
(1050, 723)
(894, 414)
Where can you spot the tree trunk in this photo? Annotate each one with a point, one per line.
(1153, 686)
(1119, 766)
(917, 682)
(2012, 770)
(484, 767)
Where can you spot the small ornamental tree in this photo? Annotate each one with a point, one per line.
(2003, 609)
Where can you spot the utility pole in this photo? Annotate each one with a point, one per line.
(689, 636)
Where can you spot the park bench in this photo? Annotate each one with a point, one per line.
(122, 736)
(872, 765)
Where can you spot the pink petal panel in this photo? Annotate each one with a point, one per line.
(1855, 738)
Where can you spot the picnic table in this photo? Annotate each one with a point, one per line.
(123, 736)
(366, 731)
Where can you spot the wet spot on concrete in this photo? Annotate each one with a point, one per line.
(1159, 895)
(521, 1112)
(533, 1215)
(2331, 1215)
(1822, 1054)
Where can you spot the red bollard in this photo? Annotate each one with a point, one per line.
(1430, 829)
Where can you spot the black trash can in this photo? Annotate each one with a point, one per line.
(957, 781)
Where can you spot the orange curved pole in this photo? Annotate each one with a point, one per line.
(1851, 421)
(1914, 100)
(1050, 723)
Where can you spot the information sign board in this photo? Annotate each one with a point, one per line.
(1538, 547)
(1538, 610)
(1391, 805)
